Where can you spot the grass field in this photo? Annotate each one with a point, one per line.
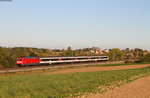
(123, 64)
(64, 85)
(105, 65)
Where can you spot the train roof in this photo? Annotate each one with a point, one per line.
(60, 57)
(27, 57)
(70, 57)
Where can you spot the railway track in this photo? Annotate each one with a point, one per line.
(33, 68)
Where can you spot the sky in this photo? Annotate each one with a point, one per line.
(58, 24)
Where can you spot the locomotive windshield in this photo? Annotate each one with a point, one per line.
(19, 59)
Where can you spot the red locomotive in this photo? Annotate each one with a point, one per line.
(25, 61)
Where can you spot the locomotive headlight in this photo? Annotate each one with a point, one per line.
(19, 61)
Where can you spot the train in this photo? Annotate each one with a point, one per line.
(28, 61)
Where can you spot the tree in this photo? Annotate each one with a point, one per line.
(33, 55)
(146, 58)
(69, 52)
(116, 54)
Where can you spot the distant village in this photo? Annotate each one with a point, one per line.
(97, 50)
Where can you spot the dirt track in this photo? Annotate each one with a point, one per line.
(136, 89)
(92, 69)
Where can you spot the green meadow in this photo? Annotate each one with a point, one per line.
(66, 85)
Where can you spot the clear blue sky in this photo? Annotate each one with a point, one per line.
(76, 23)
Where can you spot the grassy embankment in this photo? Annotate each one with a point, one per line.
(71, 67)
(64, 85)
(123, 64)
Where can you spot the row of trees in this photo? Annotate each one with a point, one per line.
(8, 55)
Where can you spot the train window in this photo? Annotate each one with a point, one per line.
(104, 57)
(94, 58)
(49, 59)
(67, 59)
(54, 59)
(46, 60)
(82, 58)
